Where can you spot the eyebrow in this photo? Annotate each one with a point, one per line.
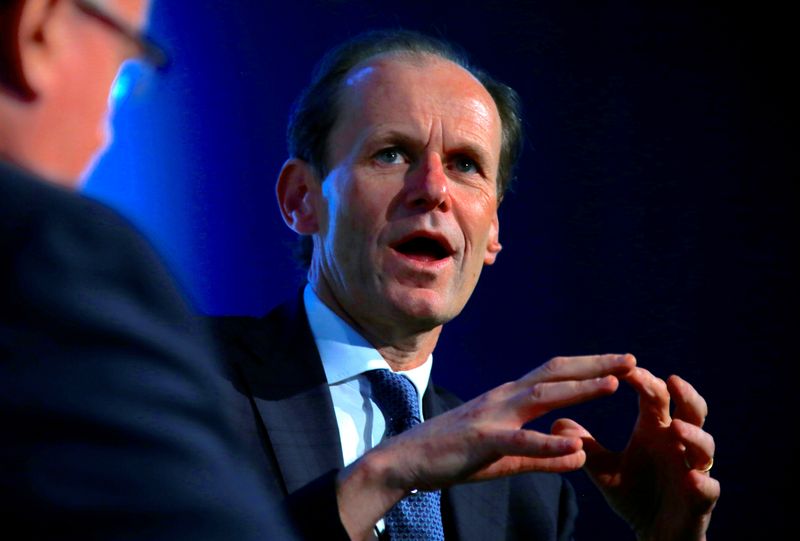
(395, 137)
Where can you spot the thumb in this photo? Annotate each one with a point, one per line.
(569, 428)
(599, 460)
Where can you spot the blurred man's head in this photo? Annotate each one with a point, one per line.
(58, 59)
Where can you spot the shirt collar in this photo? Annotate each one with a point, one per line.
(345, 354)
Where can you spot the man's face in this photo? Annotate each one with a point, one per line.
(408, 212)
(90, 56)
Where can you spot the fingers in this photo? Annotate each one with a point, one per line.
(599, 460)
(524, 450)
(564, 381)
(569, 428)
(513, 465)
(689, 405)
(580, 367)
(542, 398)
(533, 444)
(705, 490)
(653, 394)
(560, 464)
(699, 444)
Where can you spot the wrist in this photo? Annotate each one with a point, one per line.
(366, 490)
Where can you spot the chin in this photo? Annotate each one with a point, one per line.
(424, 309)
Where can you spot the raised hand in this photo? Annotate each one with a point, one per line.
(481, 439)
(660, 483)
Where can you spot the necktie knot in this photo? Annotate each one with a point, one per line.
(397, 399)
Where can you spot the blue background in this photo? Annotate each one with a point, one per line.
(652, 211)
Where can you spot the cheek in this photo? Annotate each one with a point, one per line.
(477, 218)
(344, 221)
(88, 103)
(356, 207)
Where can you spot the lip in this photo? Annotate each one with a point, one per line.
(422, 261)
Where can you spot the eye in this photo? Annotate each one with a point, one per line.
(464, 164)
(391, 155)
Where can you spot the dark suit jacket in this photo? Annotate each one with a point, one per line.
(110, 417)
(286, 413)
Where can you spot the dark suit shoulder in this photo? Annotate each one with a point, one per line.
(61, 251)
(109, 394)
(275, 352)
(239, 330)
(29, 204)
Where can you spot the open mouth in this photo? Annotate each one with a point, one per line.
(423, 248)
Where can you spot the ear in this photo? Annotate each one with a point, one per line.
(27, 48)
(298, 190)
(493, 245)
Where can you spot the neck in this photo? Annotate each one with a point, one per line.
(402, 347)
(412, 352)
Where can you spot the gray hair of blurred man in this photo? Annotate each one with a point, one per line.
(316, 110)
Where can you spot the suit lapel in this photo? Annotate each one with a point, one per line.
(471, 511)
(286, 382)
(289, 391)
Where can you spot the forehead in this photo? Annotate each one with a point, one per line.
(419, 93)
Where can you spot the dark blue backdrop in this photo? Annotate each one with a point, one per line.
(652, 211)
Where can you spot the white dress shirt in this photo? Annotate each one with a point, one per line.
(345, 357)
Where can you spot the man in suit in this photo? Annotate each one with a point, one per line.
(109, 390)
(400, 155)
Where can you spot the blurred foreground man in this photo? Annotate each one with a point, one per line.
(400, 155)
(109, 397)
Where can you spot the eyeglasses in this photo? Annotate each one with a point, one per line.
(148, 50)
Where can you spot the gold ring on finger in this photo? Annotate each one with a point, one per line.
(704, 469)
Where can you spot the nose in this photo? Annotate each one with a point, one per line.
(427, 185)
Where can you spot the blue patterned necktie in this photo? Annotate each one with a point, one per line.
(418, 516)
